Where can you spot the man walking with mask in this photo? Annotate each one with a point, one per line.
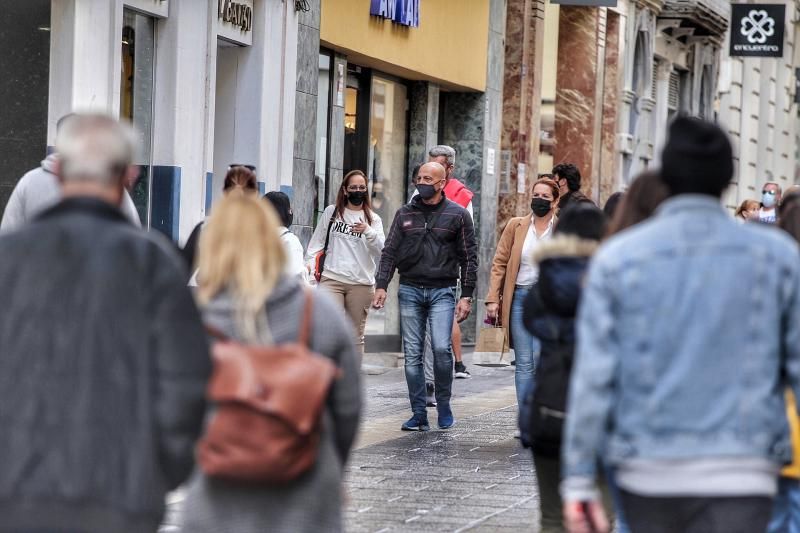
(432, 245)
(770, 200)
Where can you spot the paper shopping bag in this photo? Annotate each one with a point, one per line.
(492, 348)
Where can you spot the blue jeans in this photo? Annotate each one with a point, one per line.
(435, 307)
(786, 510)
(526, 346)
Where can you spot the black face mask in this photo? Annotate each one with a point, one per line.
(356, 197)
(426, 191)
(540, 206)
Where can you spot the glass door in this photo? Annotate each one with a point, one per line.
(136, 99)
(387, 160)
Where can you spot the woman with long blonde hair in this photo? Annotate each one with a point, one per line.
(244, 293)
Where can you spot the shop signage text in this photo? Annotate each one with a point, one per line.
(757, 30)
(240, 15)
(235, 21)
(405, 12)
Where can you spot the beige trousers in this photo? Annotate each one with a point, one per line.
(356, 300)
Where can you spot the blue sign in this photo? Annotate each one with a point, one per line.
(405, 12)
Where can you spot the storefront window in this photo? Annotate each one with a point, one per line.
(387, 160)
(321, 181)
(136, 98)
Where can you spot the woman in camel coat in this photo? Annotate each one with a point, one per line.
(514, 273)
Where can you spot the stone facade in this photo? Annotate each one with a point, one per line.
(757, 108)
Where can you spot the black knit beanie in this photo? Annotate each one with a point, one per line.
(583, 220)
(697, 159)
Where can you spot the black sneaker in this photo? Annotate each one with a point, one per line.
(416, 423)
(430, 399)
(461, 371)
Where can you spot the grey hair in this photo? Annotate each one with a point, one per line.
(778, 185)
(94, 147)
(443, 150)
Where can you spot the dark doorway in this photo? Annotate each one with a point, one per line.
(24, 87)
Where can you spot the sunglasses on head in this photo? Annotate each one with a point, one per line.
(251, 168)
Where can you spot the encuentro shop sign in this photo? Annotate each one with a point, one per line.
(238, 14)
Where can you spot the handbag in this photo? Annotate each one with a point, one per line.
(269, 401)
(319, 259)
(491, 349)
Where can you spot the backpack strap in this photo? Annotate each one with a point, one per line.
(305, 325)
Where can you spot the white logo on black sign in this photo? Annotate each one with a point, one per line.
(757, 26)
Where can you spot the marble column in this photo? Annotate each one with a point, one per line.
(336, 118)
(576, 94)
(522, 94)
(423, 121)
(305, 141)
(612, 83)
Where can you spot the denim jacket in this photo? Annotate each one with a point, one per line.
(688, 331)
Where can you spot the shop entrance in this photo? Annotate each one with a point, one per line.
(224, 115)
(24, 86)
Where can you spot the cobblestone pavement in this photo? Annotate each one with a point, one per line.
(473, 477)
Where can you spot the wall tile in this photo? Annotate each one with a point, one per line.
(305, 124)
(307, 60)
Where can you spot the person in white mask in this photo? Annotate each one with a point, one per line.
(770, 200)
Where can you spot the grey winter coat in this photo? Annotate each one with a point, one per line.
(103, 369)
(38, 189)
(312, 503)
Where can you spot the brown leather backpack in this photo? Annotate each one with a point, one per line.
(269, 401)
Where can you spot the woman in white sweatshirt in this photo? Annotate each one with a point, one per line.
(355, 240)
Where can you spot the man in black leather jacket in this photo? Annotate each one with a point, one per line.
(432, 244)
(103, 358)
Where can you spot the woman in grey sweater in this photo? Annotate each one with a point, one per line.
(245, 295)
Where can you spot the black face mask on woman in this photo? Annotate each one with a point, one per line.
(540, 206)
(356, 197)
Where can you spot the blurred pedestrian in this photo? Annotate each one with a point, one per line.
(786, 510)
(612, 204)
(295, 262)
(245, 294)
(770, 200)
(646, 193)
(657, 386)
(104, 358)
(432, 245)
(568, 178)
(350, 235)
(240, 179)
(39, 189)
(514, 274)
(549, 315)
(459, 193)
(748, 210)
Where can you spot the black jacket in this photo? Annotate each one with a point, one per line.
(103, 368)
(573, 197)
(430, 249)
(549, 314)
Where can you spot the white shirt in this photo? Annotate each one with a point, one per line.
(768, 216)
(352, 257)
(295, 266)
(528, 269)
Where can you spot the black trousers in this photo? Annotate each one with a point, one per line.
(747, 514)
